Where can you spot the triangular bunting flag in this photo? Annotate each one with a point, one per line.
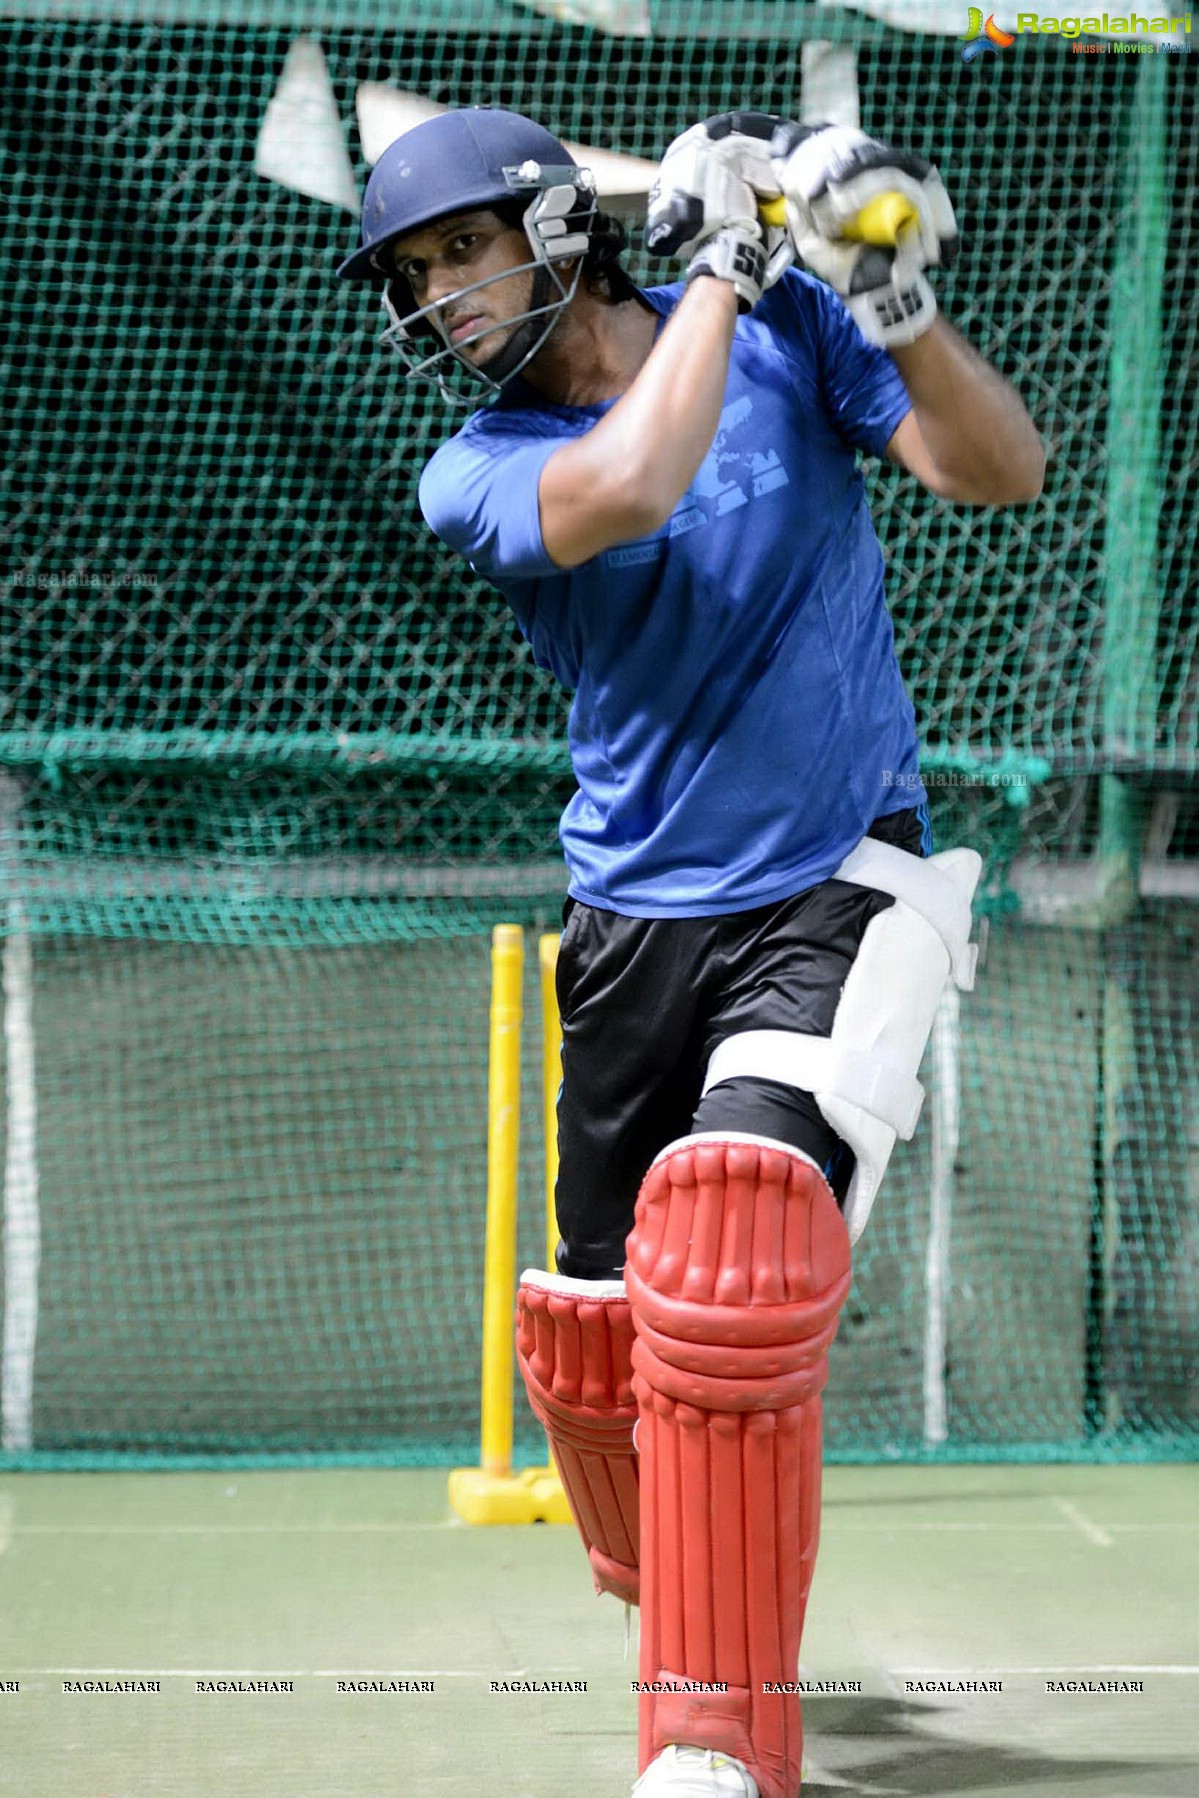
(301, 144)
(385, 113)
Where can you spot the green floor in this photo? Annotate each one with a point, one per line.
(1023, 1575)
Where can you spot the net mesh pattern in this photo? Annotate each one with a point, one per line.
(272, 762)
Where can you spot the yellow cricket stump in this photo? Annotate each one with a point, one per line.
(491, 1492)
(551, 1080)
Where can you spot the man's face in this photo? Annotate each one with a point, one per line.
(456, 252)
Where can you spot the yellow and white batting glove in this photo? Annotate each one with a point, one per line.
(868, 219)
(705, 204)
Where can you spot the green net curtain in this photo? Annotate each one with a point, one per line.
(272, 762)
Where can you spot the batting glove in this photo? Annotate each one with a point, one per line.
(868, 219)
(710, 186)
(736, 254)
(889, 298)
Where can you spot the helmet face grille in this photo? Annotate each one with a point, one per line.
(462, 382)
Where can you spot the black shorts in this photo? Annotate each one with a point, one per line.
(645, 1001)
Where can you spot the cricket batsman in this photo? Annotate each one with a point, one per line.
(664, 485)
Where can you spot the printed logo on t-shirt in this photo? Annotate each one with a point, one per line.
(734, 472)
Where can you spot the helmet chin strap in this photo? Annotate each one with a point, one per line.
(527, 337)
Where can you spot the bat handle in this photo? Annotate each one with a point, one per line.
(880, 221)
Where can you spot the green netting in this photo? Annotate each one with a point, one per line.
(272, 763)
(261, 1178)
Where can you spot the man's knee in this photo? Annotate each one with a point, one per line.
(762, 1107)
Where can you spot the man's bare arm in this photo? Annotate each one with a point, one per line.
(968, 436)
(624, 477)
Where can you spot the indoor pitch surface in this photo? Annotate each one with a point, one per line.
(1024, 1576)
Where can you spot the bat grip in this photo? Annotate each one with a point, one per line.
(880, 220)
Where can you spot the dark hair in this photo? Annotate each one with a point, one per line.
(602, 269)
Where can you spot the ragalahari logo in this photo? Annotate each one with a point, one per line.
(984, 40)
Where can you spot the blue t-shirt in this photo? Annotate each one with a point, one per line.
(739, 718)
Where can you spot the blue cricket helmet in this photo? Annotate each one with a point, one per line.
(450, 163)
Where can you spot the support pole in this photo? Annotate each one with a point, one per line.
(1129, 672)
(1132, 599)
(946, 1132)
(21, 1219)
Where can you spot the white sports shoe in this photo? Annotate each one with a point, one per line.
(681, 1772)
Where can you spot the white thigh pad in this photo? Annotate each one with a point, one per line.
(863, 1074)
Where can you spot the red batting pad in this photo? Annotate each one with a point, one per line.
(574, 1350)
(738, 1266)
